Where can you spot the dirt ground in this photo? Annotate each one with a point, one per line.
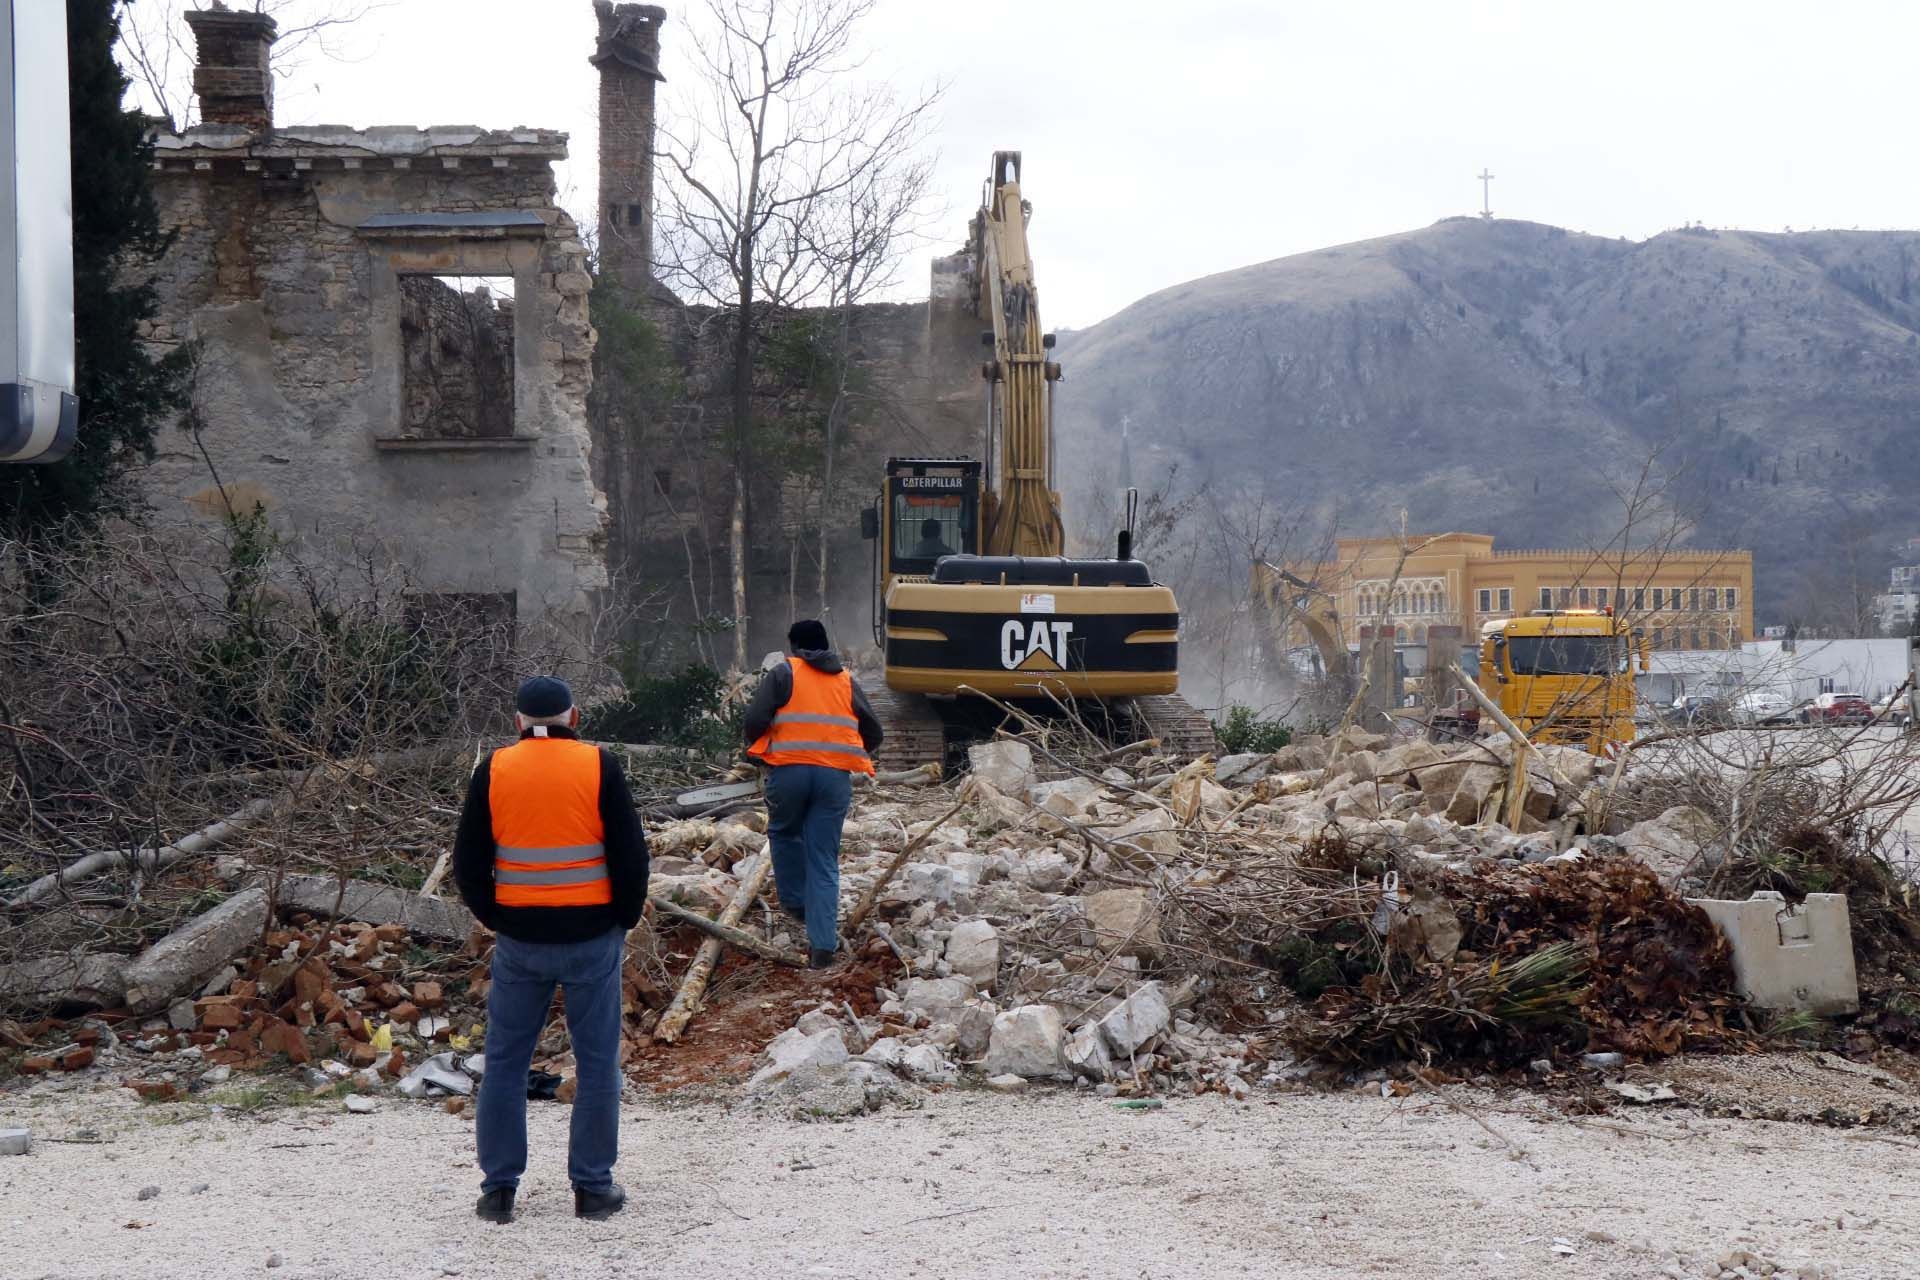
(1057, 1183)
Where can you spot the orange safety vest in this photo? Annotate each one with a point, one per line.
(817, 726)
(549, 841)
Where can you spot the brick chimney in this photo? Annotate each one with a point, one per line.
(233, 66)
(627, 56)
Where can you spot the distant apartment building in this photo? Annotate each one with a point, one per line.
(1680, 598)
(1901, 603)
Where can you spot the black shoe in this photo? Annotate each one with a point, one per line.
(495, 1205)
(796, 914)
(596, 1205)
(818, 959)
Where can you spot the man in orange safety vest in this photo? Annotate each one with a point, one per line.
(811, 725)
(550, 856)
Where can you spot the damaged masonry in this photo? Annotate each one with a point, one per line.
(392, 342)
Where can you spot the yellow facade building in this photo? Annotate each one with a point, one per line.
(1679, 598)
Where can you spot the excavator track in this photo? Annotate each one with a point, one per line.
(915, 734)
(1182, 730)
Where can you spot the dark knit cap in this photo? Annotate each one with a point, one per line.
(543, 696)
(808, 633)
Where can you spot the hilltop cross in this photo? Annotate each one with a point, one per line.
(1486, 190)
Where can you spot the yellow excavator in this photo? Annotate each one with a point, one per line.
(973, 594)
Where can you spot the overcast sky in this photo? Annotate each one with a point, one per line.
(1169, 141)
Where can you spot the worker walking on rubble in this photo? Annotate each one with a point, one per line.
(551, 857)
(811, 725)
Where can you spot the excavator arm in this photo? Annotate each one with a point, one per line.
(1023, 511)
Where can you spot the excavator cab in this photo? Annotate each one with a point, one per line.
(929, 508)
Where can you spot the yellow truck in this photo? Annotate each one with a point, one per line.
(1564, 675)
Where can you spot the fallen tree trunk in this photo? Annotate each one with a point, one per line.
(150, 860)
(864, 907)
(687, 998)
(738, 938)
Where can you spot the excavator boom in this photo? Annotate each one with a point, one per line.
(975, 602)
(1023, 512)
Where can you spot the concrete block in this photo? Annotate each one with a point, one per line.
(378, 904)
(1790, 957)
(189, 955)
(15, 1142)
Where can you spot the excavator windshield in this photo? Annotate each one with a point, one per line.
(933, 515)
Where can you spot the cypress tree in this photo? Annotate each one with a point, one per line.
(125, 392)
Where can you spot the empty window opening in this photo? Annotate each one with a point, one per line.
(456, 335)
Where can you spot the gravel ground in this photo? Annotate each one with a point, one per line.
(1055, 1184)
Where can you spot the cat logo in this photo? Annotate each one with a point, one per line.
(1037, 646)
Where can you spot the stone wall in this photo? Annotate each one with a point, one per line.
(288, 273)
(915, 392)
(457, 353)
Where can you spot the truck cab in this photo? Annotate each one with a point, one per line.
(1564, 675)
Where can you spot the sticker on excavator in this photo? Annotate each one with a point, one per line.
(1036, 602)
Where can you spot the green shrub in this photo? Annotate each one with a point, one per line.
(1244, 731)
(684, 709)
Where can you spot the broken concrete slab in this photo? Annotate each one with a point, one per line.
(1243, 769)
(1681, 841)
(940, 999)
(1136, 1020)
(378, 904)
(68, 978)
(191, 954)
(1030, 1042)
(1786, 957)
(919, 882)
(793, 1050)
(1068, 797)
(973, 952)
(1088, 1056)
(1124, 922)
(1148, 838)
(1043, 870)
(975, 1025)
(1007, 766)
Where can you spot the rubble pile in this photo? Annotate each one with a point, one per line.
(1070, 913)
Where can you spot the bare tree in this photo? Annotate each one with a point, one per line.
(864, 234)
(762, 163)
(157, 49)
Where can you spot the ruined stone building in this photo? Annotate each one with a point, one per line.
(664, 451)
(393, 342)
(395, 349)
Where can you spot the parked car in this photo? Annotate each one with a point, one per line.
(1699, 710)
(1763, 707)
(1838, 707)
(1893, 709)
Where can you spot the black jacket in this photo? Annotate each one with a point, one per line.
(626, 844)
(776, 687)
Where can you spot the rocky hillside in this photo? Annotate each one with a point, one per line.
(1515, 378)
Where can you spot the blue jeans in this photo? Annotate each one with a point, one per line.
(524, 976)
(806, 805)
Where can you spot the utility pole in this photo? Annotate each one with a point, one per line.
(1486, 190)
